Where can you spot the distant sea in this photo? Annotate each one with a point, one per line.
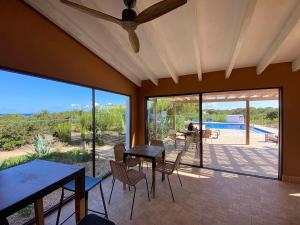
(22, 114)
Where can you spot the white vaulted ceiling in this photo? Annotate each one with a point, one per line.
(201, 36)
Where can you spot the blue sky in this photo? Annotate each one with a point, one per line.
(234, 105)
(26, 94)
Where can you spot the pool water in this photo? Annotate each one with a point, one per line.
(234, 126)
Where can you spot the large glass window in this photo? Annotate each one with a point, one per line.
(44, 119)
(112, 127)
(169, 119)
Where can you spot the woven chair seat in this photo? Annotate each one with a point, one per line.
(167, 168)
(135, 176)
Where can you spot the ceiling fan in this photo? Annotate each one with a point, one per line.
(130, 20)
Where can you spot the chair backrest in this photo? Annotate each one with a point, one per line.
(118, 170)
(119, 150)
(195, 136)
(177, 161)
(207, 133)
(158, 143)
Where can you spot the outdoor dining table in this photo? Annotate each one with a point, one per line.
(30, 182)
(149, 152)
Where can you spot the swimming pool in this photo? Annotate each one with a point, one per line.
(233, 126)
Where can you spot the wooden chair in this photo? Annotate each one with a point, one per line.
(168, 168)
(130, 177)
(92, 219)
(119, 150)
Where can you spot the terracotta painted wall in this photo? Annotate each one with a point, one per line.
(31, 43)
(278, 75)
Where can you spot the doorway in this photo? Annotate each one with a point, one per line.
(239, 131)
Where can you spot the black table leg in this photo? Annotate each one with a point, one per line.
(86, 202)
(164, 160)
(124, 160)
(153, 177)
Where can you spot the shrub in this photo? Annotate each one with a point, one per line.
(63, 131)
(272, 115)
(41, 145)
(71, 157)
(11, 136)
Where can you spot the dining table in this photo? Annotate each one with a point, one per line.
(29, 182)
(149, 152)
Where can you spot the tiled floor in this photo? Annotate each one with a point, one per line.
(207, 197)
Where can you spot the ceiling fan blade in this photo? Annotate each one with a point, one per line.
(134, 41)
(158, 10)
(92, 12)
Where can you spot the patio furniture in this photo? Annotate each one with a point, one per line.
(148, 152)
(30, 182)
(130, 177)
(93, 219)
(194, 138)
(271, 138)
(168, 168)
(119, 150)
(215, 134)
(177, 136)
(158, 143)
(90, 183)
(206, 134)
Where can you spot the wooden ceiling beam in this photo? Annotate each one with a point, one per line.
(193, 6)
(288, 26)
(296, 65)
(240, 35)
(159, 43)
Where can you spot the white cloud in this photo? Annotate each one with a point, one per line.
(74, 105)
(209, 106)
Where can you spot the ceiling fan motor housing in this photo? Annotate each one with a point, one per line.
(129, 3)
(128, 14)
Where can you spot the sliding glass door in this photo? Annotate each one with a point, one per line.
(239, 130)
(168, 119)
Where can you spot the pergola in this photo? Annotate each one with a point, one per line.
(231, 96)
